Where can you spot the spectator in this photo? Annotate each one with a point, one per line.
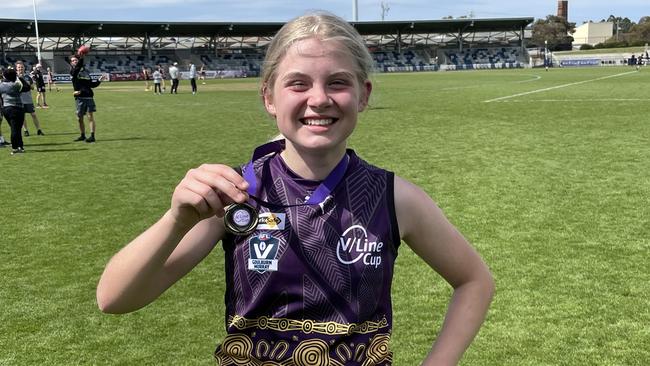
(40, 86)
(83, 86)
(50, 80)
(202, 74)
(26, 97)
(12, 107)
(157, 79)
(145, 76)
(174, 74)
(193, 77)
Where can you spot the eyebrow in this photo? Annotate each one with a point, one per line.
(297, 74)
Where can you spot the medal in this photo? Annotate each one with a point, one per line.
(240, 219)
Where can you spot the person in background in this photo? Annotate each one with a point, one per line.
(12, 107)
(145, 76)
(163, 74)
(83, 86)
(3, 143)
(202, 74)
(311, 231)
(28, 101)
(39, 80)
(193, 77)
(157, 79)
(50, 80)
(174, 75)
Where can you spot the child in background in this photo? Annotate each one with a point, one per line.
(157, 80)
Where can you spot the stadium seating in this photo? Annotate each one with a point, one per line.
(405, 61)
(243, 64)
(484, 58)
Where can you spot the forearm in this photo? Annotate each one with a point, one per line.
(135, 276)
(466, 313)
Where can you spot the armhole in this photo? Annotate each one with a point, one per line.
(390, 190)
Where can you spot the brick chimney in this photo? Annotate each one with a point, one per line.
(563, 9)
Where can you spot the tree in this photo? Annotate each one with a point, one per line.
(640, 33)
(624, 24)
(554, 30)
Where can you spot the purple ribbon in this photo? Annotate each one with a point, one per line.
(321, 193)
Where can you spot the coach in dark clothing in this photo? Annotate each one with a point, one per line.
(12, 107)
(83, 94)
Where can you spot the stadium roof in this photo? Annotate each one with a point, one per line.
(19, 34)
(59, 28)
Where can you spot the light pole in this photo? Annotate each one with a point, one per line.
(546, 54)
(38, 42)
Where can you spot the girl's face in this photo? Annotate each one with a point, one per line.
(316, 96)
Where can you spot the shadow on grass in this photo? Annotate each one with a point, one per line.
(29, 151)
(135, 138)
(49, 144)
(61, 133)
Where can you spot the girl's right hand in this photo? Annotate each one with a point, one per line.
(205, 191)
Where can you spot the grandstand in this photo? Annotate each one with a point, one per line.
(121, 49)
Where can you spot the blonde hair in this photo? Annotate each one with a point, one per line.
(325, 27)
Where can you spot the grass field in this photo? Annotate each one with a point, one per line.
(546, 173)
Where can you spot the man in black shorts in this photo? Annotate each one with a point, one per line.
(83, 94)
(39, 80)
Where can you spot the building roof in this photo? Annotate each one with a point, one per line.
(61, 32)
(60, 28)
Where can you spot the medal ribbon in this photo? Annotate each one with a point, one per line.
(319, 196)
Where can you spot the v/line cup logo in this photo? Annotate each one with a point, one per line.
(354, 246)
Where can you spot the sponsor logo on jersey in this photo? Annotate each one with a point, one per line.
(354, 246)
(271, 221)
(263, 250)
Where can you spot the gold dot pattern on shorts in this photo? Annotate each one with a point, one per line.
(307, 326)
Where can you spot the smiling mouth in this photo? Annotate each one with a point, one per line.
(318, 121)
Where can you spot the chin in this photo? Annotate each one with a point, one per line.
(319, 143)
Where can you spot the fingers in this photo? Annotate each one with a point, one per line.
(224, 180)
(207, 189)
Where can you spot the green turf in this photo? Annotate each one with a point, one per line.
(552, 188)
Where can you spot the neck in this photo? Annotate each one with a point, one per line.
(313, 165)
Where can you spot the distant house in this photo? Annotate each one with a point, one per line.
(592, 33)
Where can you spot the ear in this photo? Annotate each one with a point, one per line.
(268, 100)
(366, 89)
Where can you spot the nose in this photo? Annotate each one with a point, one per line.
(319, 98)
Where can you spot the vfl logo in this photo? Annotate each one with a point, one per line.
(271, 221)
(262, 250)
(353, 246)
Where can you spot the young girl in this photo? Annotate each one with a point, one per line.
(157, 80)
(309, 283)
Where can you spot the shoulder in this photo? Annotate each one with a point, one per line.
(415, 209)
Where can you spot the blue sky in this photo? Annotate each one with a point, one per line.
(279, 11)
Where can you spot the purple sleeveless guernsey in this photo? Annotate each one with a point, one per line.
(311, 286)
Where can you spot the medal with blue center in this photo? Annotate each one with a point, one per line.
(243, 218)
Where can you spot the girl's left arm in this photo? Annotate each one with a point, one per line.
(426, 230)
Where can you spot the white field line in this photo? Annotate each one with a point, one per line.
(534, 78)
(557, 87)
(579, 100)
